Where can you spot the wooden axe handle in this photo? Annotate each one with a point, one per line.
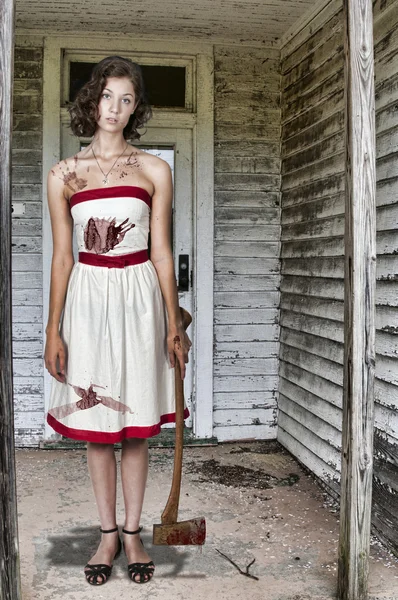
(170, 513)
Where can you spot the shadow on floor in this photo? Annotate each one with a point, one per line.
(75, 546)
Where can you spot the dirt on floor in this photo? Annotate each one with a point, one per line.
(272, 531)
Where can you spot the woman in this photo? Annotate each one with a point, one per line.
(114, 329)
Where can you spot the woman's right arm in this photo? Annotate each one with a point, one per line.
(61, 266)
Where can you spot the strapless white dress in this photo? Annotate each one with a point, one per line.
(119, 381)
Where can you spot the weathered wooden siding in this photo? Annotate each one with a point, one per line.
(27, 247)
(312, 287)
(247, 230)
(227, 22)
(385, 483)
(311, 356)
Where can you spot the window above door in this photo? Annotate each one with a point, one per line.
(168, 79)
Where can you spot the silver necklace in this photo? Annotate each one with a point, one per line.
(105, 180)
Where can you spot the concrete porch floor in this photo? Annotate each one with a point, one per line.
(258, 502)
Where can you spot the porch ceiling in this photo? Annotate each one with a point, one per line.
(228, 21)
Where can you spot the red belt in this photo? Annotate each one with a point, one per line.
(118, 262)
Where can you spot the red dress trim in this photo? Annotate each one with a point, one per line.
(118, 262)
(102, 437)
(115, 191)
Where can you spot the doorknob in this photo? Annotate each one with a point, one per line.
(183, 272)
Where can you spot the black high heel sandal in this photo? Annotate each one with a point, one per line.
(143, 570)
(93, 572)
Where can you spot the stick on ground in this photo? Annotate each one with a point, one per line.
(245, 573)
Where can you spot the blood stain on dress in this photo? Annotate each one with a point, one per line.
(102, 235)
(88, 397)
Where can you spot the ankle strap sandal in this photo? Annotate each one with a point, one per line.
(99, 574)
(139, 572)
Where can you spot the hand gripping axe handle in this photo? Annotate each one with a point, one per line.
(170, 532)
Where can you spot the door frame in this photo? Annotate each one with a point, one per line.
(202, 123)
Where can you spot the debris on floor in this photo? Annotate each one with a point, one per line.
(263, 510)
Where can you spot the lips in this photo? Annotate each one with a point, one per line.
(111, 120)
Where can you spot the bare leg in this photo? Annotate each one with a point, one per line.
(102, 468)
(134, 471)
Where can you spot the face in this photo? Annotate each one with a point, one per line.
(117, 102)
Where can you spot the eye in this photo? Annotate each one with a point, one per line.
(105, 94)
(127, 100)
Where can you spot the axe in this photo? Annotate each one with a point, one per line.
(170, 532)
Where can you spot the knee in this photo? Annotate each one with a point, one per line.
(96, 447)
(135, 442)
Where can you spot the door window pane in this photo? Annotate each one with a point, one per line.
(165, 85)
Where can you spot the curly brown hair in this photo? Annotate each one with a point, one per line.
(83, 111)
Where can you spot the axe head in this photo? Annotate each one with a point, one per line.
(184, 533)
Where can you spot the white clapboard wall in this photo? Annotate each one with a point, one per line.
(312, 286)
(27, 247)
(247, 233)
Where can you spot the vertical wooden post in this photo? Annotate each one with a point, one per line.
(359, 317)
(10, 588)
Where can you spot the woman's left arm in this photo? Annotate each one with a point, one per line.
(178, 342)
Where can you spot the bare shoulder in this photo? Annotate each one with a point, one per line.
(69, 174)
(156, 169)
(151, 162)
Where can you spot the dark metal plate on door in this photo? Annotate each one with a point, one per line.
(183, 272)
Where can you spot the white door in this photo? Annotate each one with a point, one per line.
(174, 145)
